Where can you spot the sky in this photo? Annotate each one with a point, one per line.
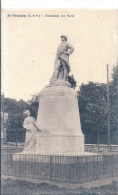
(29, 46)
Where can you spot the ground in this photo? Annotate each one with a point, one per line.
(15, 187)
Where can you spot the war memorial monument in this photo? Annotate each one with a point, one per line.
(57, 129)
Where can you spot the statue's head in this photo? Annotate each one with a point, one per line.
(63, 37)
(26, 113)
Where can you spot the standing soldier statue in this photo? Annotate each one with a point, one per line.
(62, 66)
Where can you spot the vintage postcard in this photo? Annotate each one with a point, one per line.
(59, 101)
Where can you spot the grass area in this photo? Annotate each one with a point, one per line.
(15, 187)
(11, 149)
(14, 143)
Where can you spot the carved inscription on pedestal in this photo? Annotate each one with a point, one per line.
(49, 107)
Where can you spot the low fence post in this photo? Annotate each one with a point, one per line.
(51, 168)
(112, 166)
(78, 169)
(97, 175)
(25, 166)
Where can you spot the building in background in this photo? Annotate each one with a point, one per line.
(4, 118)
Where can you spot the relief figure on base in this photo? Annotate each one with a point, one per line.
(31, 128)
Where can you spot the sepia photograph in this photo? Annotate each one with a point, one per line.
(59, 101)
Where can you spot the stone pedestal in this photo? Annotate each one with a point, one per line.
(59, 121)
(59, 144)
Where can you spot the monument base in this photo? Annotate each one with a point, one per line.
(58, 120)
(59, 143)
(59, 158)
